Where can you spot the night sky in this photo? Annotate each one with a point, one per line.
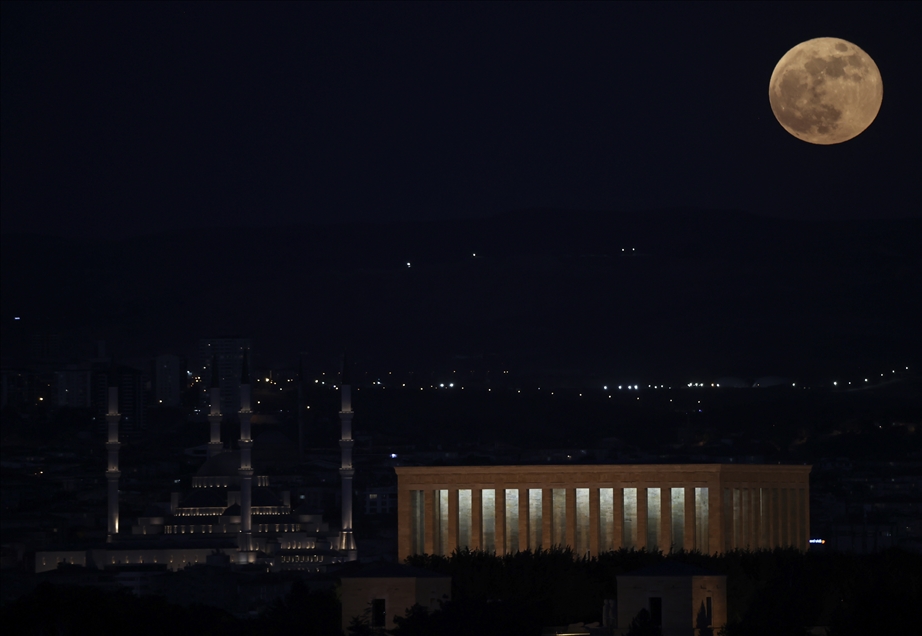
(123, 119)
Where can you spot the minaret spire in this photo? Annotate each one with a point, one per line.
(112, 446)
(214, 416)
(347, 541)
(245, 544)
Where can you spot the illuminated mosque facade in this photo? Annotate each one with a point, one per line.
(230, 510)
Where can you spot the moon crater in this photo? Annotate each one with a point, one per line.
(825, 91)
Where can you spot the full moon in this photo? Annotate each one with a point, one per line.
(825, 91)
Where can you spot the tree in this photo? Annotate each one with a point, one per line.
(642, 625)
(359, 626)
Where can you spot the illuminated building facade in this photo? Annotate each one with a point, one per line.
(596, 508)
(231, 509)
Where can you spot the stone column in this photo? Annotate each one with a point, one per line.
(547, 517)
(404, 522)
(617, 518)
(785, 516)
(744, 519)
(775, 518)
(753, 518)
(805, 537)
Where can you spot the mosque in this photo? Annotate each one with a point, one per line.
(231, 513)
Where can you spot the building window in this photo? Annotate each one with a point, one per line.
(785, 518)
(559, 519)
(629, 522)
(582, 521)
(656, 611)
(378, 613)
(418, 522)
(654, 507)
(488, 508)
(702, 541)
(464, 518)
(535, 522)
(678, 518)
(738, 511)
(442, 506)
(512, 520)
(707, 611)
(606, 519)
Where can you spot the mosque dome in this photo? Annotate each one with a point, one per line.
(226, 464)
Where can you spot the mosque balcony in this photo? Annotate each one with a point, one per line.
(297, 541)
(218, 481)
(200, 512)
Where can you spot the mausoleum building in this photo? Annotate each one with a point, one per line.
(594, 508)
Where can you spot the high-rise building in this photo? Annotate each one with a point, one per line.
(230, 352)
(169, 380)
(132, 395)
(73, 386)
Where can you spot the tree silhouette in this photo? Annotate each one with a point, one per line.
(703, 622)
(642, 625)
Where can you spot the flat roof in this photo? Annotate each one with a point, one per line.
(567, 469)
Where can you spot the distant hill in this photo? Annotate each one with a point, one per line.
(662, 294)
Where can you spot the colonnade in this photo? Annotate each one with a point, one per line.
(593, 509)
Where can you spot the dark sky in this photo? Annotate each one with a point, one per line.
(124, 119)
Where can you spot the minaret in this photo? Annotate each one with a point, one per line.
(301, 407)
(245, 543)
(214, 417)
(112, 446)
(346, 541)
